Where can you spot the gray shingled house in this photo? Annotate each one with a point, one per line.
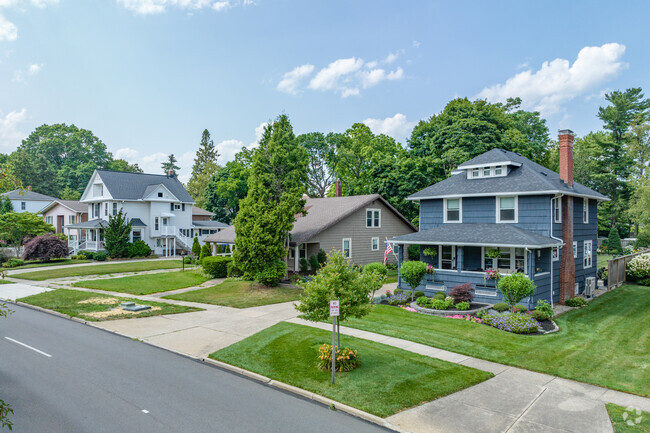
(357, 225)
(503, 211)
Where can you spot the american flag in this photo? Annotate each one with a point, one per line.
(389, 249)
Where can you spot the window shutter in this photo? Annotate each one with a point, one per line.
(183, 207)
(171, 207)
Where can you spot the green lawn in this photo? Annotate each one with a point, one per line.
(99, 269)
(60, 262)
(239, 294)
(5, 282)
(620, 421)
(68, 302)
(147, 283)
(601, 260)
(606, 343)
(388, 380)
(391, 277)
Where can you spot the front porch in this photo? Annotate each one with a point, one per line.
(90, 238)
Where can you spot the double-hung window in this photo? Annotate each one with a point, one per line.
(453, 209)
(585, 210)
(72, 219)
(374, 244)
(507, 209)
(347, 248)
(23, 205)
(575, 249)
(49, 219)
(114, 208)
(105, 209)
(156, 223)
(373, 218)
(586, 253)
(557, 209)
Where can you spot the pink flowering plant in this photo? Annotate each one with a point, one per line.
(492, 274)
(467, 317)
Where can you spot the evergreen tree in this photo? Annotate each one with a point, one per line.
(614, 242)
(218, 250)
(205, 252)
(196, 247)
(117, 235)
(170, 164)
(5, 205)
(277, 181)
(206, 154)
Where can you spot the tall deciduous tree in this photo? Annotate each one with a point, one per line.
(228, 186)
(15, 227)
(277, 181)
(170, 164)
(117, 235)
(319, 173)
(123, 165)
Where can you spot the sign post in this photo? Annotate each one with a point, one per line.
(334, 312)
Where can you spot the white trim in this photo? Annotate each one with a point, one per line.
(498, 206)
(576, 289)
(557, 255)
(472, 244)
(541, 274)
(513, 258)
(587, 257)
(557, 210)
(349, 256)
(575, 249)
(492, 194)
(373, 210)
(460, 211)
(585, 210)
(481, 171)
(489, 164)
(372, 244)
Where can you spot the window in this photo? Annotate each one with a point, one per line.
(49, 219)
(486, 172)
(509, 259)
(507, 209)
(557, 209)
(72, 219)
(137, 235)
(555, 254)
(177, 206)
(302, 251)
(448, 257)
(585, 210)
(373, 218)
(347, 248)
(23, 205)
(586, 252)
(476, 172)
(453, 209)
(72, 237)
(575, 249)
(105, 209)
(520, 259)
(156, 224)
(490, 171)
(374, 244)
(160, 194)
(114, 208)
(183, 207)
(498, 171)
(158, 243)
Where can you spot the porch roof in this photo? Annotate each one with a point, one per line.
(137, 222)
(479, 235)
(97, 223)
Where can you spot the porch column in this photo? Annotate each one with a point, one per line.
(460, 256)
(296, 259)
(400, 259)
(531, 264)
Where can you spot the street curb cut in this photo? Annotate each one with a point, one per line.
(307, 394)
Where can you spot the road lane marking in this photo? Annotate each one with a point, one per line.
(145, 411)
(29, 347)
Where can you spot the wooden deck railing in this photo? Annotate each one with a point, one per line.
(616, 275)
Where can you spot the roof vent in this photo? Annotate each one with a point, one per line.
(543, 173)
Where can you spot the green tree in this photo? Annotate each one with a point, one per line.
(320, 152)
(640, 204)
(117, 235)
(228, 186)
(515, 287)
(8, 181)
(614, 242)
(123, 165)
(16, 227)
(205, 252)
(5, 205)
(69, 194)
(205, 166)
(196, 246)
(170, 164)
(276, 183)
(412, 272)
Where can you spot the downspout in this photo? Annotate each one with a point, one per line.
(557, 239)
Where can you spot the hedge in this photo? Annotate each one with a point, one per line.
(216, 266)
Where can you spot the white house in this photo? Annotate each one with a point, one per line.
(63, 213)
(28, 200)
(158, 206)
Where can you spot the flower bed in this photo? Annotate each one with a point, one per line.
(473, 309)
(518, 323)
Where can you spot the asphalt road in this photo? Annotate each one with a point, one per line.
(94, 381)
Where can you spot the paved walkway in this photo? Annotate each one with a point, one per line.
(16, 271)
(19, 290)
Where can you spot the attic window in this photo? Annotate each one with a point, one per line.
(160, 194)
(488, 171)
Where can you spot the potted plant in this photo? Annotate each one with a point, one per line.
(492, 275)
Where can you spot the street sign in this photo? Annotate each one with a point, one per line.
(334, 308)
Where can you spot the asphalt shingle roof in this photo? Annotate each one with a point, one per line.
(528, 178)
(209, 224)
(97, 223)
(322, 213)
(135, 186)
(137, 222)
(27, 195)
(199, 211)
(479, 235)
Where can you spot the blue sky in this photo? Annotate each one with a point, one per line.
(147, 76)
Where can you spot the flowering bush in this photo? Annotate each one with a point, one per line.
(465, 317)
(346, 359)
(512, 322)
(388, 293)
(407, 308)
(639, 267)
(399, 298)
(430, 270)
(492, 274)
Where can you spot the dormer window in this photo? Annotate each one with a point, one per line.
(476, 172)
(498, 171)
(488, 171)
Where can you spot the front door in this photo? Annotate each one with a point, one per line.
(448, 257)
(59, 223)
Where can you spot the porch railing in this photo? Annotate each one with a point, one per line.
(94, 245)
(616, 275)
(173, 231)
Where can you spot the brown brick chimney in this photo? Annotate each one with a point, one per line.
(568, 264)
(338, 188)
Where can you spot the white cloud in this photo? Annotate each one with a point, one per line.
(558, 81)
(397, 126)
(227, 150)
(390, 58)
(34, 69)
(376, 76)
(148, 7)
(10, 133)
(334, 75)
(8, 30)
(151, 163)
(416, 44)
(259, 130)
(291, 80)
(127, 154)
(21, 74)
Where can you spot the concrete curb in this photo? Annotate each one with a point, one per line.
(307, 394)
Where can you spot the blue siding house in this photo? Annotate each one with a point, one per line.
(503, 211)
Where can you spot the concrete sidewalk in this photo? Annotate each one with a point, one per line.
(514, 400)
(11, 292)
(16, 271)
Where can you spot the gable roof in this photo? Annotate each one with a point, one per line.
(17, 194)
(527, 178)
(322, 213)
(135, 186)
(73, 205)
(198, 211)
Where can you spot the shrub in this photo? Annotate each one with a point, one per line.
(413, 272)
(187, 260)
(398, 291)
(346, 359)
(613, 242)
(87, 254)
(439, 304)
(272, 273)
(233, 270)
(399, 298)
(539, 315)
(643, 239)
(44, 248)
(377, 267)
(139, 249)
(391, 266)
(196, 247)
(419, 293)
(462, 293)
(218, 249)
(544, 307)
(304, 265)
(500, 307)
(314, 264)
(462, 306)
(516, 287)
(413, 252)
(575, 302)
(639, 267)
(422, 301)
(512, 322)
(13, 263)
(216, 266)
(519, 308)
(205, 252)
(644, 282)
(322, 257)
(440, 295)
(117, 234)
(100, 256)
